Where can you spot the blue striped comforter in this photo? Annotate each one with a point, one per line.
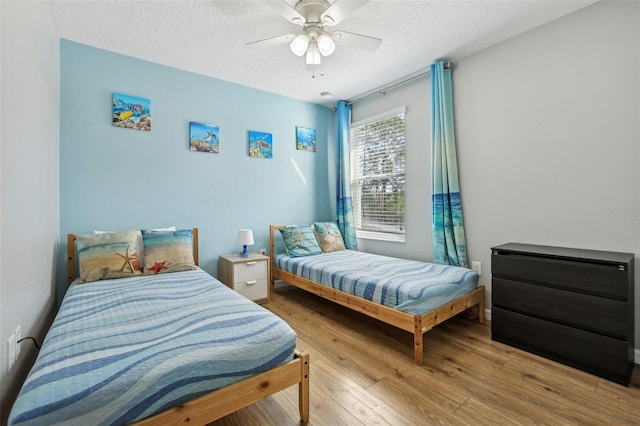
(121, 350)
(406, 285)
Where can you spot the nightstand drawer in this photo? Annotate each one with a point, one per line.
(252, 289)
(250, 271)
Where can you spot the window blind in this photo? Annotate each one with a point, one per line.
(378, 174)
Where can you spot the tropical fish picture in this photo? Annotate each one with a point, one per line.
(131, 112)
(260, 144)
(204, 137)
(305, 139)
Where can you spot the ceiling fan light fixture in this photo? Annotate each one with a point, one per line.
(299, 44)
(326, 45)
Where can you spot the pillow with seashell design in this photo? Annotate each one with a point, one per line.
(329, 236)
(108, 255)
(299, 240)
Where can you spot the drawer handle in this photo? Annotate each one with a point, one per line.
(251, 263)
(251, 282)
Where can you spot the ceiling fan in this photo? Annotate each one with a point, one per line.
(314, 40)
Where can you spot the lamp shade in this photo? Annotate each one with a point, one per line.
(299, 44)
(245, 237)
(326, 45)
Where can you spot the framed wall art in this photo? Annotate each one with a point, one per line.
(260, 144)
(204, 137)
(131, 112)
(305, 139)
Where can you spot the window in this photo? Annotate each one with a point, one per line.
(378, 176)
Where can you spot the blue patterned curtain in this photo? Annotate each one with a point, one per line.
(449, 246)
(343, 187)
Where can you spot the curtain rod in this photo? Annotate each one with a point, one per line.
(395, 84)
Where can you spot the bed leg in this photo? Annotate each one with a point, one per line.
(481, 307)
(303, 389)
(418, 339)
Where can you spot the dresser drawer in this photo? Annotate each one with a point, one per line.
(598, 314)
(591, 278)
(591, 352)
(252, 289)
(250, 271)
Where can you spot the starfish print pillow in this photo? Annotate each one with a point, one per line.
(299, 240)
(109, 255)
(167, 251)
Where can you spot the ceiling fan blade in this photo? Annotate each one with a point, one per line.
(340, 10)
(283, 8)
(273, 41)
(357, 41)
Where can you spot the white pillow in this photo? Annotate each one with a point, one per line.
(169, 228)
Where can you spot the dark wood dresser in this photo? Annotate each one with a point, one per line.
(573, 306)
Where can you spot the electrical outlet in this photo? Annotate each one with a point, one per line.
(263, 251)
(11, 351)
(477, 266)
(18, 338)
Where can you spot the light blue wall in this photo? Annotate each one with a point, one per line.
(113, 178)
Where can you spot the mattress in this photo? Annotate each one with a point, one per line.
(120, 350)
(406, 285)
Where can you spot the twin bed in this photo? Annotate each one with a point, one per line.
(411, 295)
(158, 349)
(181, 347)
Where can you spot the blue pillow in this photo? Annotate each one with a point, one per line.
(299, 240)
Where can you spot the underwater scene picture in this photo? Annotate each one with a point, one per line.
(131, 112)
(305, 139)
(260, 144)
(204, 137)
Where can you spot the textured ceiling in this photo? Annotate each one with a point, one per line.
(209, 37)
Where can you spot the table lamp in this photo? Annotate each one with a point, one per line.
(245, 238)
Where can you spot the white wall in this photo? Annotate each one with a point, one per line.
(548, 141)
(29, 181)
(547, 124)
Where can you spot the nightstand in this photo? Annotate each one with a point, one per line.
(248, 276)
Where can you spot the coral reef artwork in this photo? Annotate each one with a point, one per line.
(131, 112)
(204, 138)
(260, 144)
(305, 139)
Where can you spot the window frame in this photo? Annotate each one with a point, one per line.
(371, 234)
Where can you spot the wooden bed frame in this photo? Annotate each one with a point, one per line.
(226, 400)
(416, 324)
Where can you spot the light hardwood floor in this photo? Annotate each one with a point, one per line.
(362, 373)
